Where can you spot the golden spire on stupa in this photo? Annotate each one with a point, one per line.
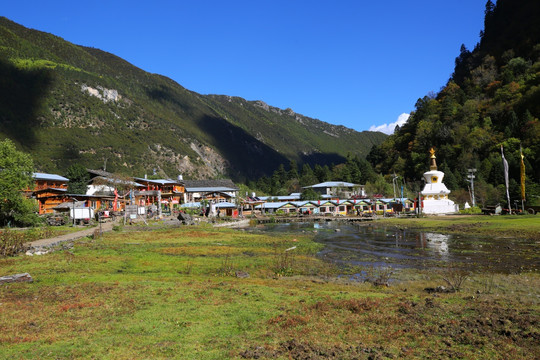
(433, 163)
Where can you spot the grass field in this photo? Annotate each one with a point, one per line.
(523, 226)
(182, 293)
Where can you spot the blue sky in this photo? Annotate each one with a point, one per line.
(354, 63)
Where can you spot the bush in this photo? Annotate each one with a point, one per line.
(11, 243)
(283, 263)
(454, 277)
(471, 210)
(26, 213)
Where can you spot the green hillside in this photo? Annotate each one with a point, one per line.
(492, 99)
(67, 104)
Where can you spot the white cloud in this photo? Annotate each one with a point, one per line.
(389, 128)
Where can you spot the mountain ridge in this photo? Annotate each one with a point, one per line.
(148, 121)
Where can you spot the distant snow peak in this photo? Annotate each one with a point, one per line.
(101, 93)
(389, 128)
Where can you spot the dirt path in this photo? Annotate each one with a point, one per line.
(105, 227)
(70, 237)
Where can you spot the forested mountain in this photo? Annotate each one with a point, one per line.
(67, 104)
(492, 99)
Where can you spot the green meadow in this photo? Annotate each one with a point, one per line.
(521, 226)
(206, 293)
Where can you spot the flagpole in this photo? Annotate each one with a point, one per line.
(505, 166)
(522, 178)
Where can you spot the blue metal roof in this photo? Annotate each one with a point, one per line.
(191, 205)
(225, 205)
(50, 177)
(274, 205)
(221, 205)
(302, 203)
(281, 198)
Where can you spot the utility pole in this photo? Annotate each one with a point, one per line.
(470, 178)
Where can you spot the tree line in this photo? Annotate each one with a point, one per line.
(294, 178)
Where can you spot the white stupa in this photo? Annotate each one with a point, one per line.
(435, 193)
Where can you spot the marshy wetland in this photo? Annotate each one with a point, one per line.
(206, 293)
(399, 247)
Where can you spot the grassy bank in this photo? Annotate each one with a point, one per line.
(183, 293)
(521, 226)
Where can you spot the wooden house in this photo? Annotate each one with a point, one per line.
(49, 190)
(170, 192)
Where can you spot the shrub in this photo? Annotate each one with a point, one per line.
(283, 263)
(454, 277)
(471, 210)
(11, 243)
(227, 266)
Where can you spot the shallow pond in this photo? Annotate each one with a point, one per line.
(375, 245)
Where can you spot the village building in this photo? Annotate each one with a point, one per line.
(398, 205)
(96, 201)
(219, 209)
(49, 191)
(344, 207)
(281, 198)
(227, 209)
(362, 206)
(281, 207)
(106, 191)
(306, 207)
(327, 208)
(216, 191)
(168, 192)
(104, 185)
(338, 189)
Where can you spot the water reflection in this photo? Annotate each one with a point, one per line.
(370, 245)
(438, 242)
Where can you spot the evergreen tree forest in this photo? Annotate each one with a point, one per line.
(356, 170)
(491, 100)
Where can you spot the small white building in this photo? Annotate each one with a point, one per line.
(338, 189)
(435, 193)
